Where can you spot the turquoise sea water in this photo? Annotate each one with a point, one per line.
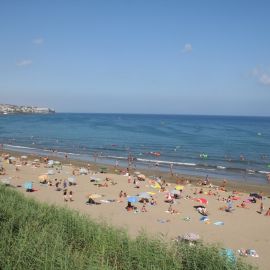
(220, 146)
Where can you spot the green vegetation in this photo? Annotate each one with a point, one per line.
(38, 236)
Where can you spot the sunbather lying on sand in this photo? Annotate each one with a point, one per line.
(243, 205)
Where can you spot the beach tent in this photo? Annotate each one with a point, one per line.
(133, 199)
(12, 158)
(23, 157)
(137, 173)
(36, 160)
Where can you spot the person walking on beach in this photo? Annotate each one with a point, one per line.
(121, 195)
(65, 196)
(129, 178)
(261, 208)
(144, 207)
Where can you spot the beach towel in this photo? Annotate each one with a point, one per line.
(160, 220)
(203, 219)
(219, 223)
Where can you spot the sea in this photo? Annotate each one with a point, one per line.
(222, 147)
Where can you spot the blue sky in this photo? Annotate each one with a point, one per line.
(175, 57)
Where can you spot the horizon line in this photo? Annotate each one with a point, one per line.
(168, 114)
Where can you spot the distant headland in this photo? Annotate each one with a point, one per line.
(15, 109)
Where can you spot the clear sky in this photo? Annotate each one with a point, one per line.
(143, 56)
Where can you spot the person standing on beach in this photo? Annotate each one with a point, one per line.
(70, 196)
(261, 207)
(65, 196)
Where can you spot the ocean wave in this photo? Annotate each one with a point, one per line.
(263, 172)
(166, 162)
(19, 147)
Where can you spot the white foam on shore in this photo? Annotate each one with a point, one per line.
(166, 162)
(20, 147)
(263, 172)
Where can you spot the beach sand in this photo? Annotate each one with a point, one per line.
(243, 228)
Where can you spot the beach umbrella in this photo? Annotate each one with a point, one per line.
(94, 196)
(50, 163)
(178, 187)
(36, 160)
(157, 185)
(103, 169)
(43, 177)
(71, 179)
(50, 172)
(132, 199)
(190, 237)
(12, 158)
(96, 179)
(137, 173)
(151, 193)
(175, 192)
(57, 162)
(83, 171)
(28, 185)
(144, 195)
(23, 157)
(202, 200)
(6, 181)
(141, 176)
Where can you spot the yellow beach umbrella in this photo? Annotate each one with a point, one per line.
(43, 177)
(94, 196)
(151, 193)
(157, 185)
(178, 187)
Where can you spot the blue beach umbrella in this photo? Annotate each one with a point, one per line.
(144, 195)
(133, 199)
(28, 185)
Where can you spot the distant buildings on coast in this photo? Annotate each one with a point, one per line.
(14, 109)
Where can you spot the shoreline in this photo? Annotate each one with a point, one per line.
(231, 185)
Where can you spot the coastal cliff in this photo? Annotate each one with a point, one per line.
(15, 109)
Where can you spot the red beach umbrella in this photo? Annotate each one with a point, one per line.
(202, 200)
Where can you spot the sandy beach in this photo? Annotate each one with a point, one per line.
(241, 228)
